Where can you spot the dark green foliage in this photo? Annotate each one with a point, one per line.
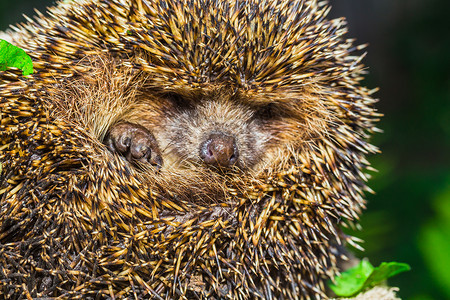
(408, 59)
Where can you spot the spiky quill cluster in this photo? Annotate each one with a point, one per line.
(77, 222)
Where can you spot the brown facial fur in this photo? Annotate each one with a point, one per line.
(267, 126)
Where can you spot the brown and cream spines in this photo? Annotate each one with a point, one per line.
(256, 127)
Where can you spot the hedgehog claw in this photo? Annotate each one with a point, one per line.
(135, 143)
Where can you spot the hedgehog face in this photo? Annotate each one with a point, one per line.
(219, 129)
(204, 133)
(213, 130)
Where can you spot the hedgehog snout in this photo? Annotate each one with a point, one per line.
(219, 149)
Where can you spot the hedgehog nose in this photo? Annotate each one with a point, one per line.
(219, 149)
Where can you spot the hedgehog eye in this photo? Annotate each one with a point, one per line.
(268, 111)
(178, 101)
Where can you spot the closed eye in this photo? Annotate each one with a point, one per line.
(178, 102)
(268, 112)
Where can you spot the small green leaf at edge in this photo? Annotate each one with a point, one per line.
(385, 271)
(12, 56)
(352, 280)
(356, 279)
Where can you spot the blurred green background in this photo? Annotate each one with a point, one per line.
(408, 220)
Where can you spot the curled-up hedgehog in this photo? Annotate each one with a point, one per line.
(181, 149)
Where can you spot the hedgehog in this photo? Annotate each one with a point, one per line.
(182, 149)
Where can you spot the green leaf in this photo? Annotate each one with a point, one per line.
(12, 56)
(356, 279)
(385, 271)
(352, 281)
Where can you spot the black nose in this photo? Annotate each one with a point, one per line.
(219, 149)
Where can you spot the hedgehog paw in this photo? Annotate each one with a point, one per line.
(135, 143)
